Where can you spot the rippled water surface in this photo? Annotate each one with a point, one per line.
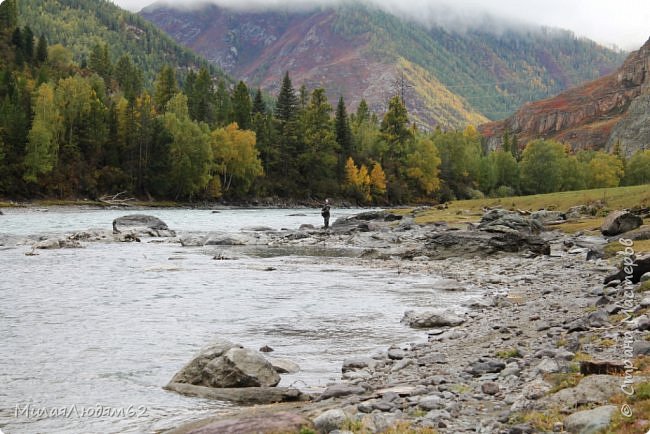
(109, 325)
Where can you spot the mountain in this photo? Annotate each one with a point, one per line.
(79, 25)
(600, 114)
(449, 78)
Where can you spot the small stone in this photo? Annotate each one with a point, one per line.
(383, 406)
(431, 403)
(645, 277)
(490, 388)
(266, 349)
(396, 354)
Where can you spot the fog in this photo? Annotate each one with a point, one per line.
(623, 23)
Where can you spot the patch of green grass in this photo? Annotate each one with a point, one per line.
(640, 246)
(461, 388)
(644, 287)
(508, 353)
(408, 428)
(540, 421)
(356, 426)
(560, 381)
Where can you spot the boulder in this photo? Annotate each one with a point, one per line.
(590, 421)
(240, 367)
(141, 224)
(641, 348)
(593, 389)
(193, 372)
(356, 363)
(450, 244)
(330, 420)
(641, 266)
(241, 395)
(545, 217)
(502, 220)
(431, 319)
(223, 364)
(483, 366)
(283, 366)
(618, 222)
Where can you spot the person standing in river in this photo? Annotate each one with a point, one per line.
(325, 212)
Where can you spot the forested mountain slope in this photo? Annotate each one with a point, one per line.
(448, 78)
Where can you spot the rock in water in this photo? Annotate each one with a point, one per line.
(241, 367)
(193, 372)
(432, 318)
(618, 222)
(223, 364)
(142, 224)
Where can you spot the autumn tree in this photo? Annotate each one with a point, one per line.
(604, 170)
(423, 166)
(236, 159)
(190, 150)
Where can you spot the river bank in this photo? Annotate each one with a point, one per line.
(509, 361)
(545, 349)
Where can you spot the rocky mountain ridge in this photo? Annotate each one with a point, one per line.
(600, 114)
(448, 79)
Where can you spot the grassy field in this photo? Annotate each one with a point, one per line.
(459, 213)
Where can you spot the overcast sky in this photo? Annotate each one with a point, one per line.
(625, 23)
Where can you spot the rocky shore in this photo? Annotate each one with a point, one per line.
(546, 349)
(549, 347)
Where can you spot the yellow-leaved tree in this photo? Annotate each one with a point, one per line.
(236, 160)
(357, 181)
(604, 170)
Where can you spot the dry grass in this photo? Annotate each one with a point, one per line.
(471, 210)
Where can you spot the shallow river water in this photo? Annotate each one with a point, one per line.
(89, 332)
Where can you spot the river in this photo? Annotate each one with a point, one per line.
(90, 336)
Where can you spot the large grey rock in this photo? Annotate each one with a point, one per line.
(641, 348)
(330, 420)
(618, 222)
(141, 224)
(241, 395)
(241, 367)
(283, 366)
(590, 421)
(641, 266)
(593, 389)
(431, 318)
(502, 220)
(486, 366)
(451, 244)
(193, 372)
(223, 364)
(356, 363)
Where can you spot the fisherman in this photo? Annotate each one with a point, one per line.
(325, 212)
